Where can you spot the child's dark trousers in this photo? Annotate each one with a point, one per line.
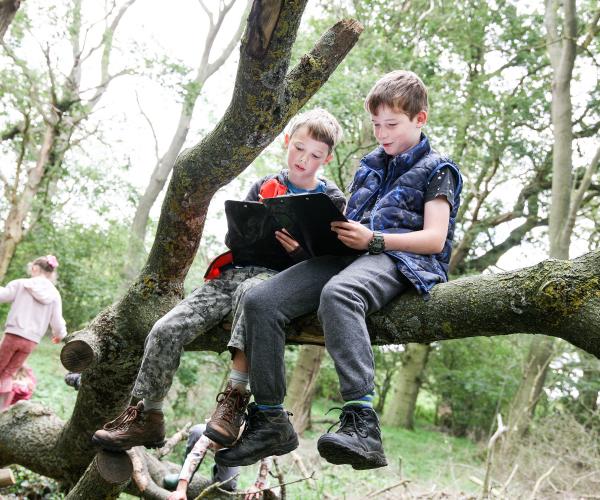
(344, 290)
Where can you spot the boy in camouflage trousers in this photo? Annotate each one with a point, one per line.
(310, 142)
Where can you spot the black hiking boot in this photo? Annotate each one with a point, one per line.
(267, 432)
(357, 442)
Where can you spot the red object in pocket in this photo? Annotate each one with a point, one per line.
(214, 268)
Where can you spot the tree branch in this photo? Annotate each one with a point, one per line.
(8, 9)
(262, 104)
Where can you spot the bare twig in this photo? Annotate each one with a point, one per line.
(303, 470)
(216, 486)
(242, 493)
(540, 481)
(180, 435)
(147, 118)
(509, 479)
(404, 482)
(280, 478)
(490, 455)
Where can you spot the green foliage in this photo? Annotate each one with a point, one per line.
(472, 380)
(90, 264)
(31, 486)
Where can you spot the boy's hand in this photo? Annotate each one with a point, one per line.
(352, 234)
(288, 243)
(56, 340)
(252, 493)
(181, 492)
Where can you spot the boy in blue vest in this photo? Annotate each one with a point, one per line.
(401, 212)
(310, 141)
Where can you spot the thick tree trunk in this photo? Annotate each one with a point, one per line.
(266, 96)
(301, 388)
(8, 9)
(524, 401)
(400, 410)
(562, 57)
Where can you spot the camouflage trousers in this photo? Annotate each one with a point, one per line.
(195, 315)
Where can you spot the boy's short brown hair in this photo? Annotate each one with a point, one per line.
(399, 90)
(321, 124)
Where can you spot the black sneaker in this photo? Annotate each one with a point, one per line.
(266, 433)
(357, 442)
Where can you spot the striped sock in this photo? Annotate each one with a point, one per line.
(365, 401)
(269, 407)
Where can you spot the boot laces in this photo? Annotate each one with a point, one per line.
(230, 402)
(130, 415)
(351, 422)
(252, 424)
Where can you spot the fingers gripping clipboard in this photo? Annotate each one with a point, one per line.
(307, 217)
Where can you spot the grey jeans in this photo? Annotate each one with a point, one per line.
(344, 290)
(203, 309)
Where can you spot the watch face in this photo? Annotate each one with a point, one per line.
(377, 244)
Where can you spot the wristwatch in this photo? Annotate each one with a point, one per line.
(377, 243)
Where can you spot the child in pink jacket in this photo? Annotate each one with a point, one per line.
(36, 304)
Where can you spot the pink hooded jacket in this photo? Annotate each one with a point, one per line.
(36, 303)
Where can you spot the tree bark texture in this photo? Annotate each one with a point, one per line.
(400, 410)
(8, 9)
(106, 477)
(301, 388)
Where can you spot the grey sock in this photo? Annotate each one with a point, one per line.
(153, 405)
(239, 378)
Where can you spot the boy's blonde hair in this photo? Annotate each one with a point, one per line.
(399, 90)
(321, 124)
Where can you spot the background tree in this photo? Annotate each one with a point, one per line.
(45, 116)
(567, 192)
(190, 92)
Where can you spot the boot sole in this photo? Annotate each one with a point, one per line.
(219, 438)
(337, 454)
(112, 447)
(280, 450)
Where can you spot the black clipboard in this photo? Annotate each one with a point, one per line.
(307, 217)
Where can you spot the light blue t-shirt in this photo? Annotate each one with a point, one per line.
(321, 188)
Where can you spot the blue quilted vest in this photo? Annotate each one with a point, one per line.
(400, 205)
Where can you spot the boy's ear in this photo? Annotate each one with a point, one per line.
(328, 159)
(286, 140)
(421, 118)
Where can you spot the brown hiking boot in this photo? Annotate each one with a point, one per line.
(224, 425)
(133, 427)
